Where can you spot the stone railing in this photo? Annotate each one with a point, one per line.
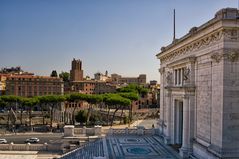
(70, 130)
(84, 131)
(24, 147)
(133, 131)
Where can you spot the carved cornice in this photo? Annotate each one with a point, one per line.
(194, 45)
(228, 33)
(230, 55)
(186, 88)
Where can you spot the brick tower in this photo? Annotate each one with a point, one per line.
(76, 73)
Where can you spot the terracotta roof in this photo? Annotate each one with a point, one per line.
(31, 76)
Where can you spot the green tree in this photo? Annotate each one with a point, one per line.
(54, 73)
(133, 88)
(92, 100)
(52, 101)
(76, 97)
(3, 104)
(65, 76)
(116, 102)
(131, 96)
(30, 103)
(11, 101)
(105, 97)
(81, 116)
(68, 100)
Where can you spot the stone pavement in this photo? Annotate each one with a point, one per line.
(18, 154)
(123, 146)
(138, 147)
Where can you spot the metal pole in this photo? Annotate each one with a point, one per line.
(173, 24)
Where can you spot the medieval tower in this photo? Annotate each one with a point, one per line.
(76, 73)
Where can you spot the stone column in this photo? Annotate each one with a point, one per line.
(184, 150)
(168, 116)
(178, 79)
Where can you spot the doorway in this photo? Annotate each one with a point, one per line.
(178, 128)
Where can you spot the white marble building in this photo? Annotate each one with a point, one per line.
(199, 98)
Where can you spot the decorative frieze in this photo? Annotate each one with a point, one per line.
(232, 33)
(195, 45)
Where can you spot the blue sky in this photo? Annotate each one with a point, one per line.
(121, 36)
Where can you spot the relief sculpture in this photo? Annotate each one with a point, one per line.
(186, 73)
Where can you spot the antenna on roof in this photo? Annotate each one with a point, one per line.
(173, 24)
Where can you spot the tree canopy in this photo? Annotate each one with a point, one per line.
(30, 101)
(130, 95)
(134, 88)
(54, 73)
(65, 76)
(115, 99)
(2, 103)
(51, 98)
(11, 98)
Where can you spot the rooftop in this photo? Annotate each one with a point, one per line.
(223, 14)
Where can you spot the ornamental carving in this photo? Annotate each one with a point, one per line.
(186, 74)
(169, 77)
(232, 56)
(232, 34)
(217, 57)
(161, 70)
(195, 45)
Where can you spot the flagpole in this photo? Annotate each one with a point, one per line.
(174, 25)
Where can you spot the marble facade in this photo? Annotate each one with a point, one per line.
(199, 96)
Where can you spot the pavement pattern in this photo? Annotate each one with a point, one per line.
(123, 146)
(138, 147)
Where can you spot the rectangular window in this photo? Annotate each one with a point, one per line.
(179, 76)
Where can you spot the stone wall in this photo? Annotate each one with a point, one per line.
(213, 124)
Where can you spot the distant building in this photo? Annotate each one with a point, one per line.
(76, 73)
(104, 87)
(118, 79)
(92, 87)
(200, 90)
(102, 77)
(3, 78)
(86, 87)
(14, 70)
(29, 86)
(153, 83)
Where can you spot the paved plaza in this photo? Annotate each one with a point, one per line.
(125, 147)
(138, 147)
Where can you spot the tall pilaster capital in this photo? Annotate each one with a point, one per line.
(185, 96)
(162, 70)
